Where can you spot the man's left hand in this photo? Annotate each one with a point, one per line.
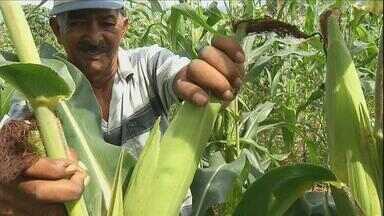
(219, 69)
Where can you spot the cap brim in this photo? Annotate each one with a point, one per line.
(72, 6)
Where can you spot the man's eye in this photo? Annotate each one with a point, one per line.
(109, 24)
(77, 22)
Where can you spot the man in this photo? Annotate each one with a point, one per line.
(132, 87)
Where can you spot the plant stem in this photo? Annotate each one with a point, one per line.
(52, 135)
(50, 132)
(234, 106)
(379, 92)
(20, 32)
(49, 126)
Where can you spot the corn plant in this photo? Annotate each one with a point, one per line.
(239, 183)
(354, 154)
(46, 87)
(160, 176)
(6, 92)
(41, 100)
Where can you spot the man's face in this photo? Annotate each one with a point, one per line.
(91, 39)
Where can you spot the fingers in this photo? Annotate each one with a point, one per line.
(72, 155)
(218, 59)
(46, 168)
(207, 77)
(219, 70)
(230, 47)
(190, 91)
(57, 191)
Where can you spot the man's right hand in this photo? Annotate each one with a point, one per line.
(54, 181)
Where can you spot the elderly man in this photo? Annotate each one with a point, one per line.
(132, 87)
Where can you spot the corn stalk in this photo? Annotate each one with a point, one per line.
(354, 155)
(49, 126)
(379, 95)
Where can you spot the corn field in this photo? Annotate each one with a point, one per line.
(303, 136)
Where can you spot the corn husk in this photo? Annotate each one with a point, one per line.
(354, 155)
(166, 167)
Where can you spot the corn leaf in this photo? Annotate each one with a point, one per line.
(39, 83)
(81, 121)
(6, 93)
(117, 204)
(189, 12)
(313, 203)
(273, 193)
(215, 185)
(354, 155)
(345, 203)
(172, 163)
(373, 6)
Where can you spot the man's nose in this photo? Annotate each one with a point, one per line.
(93, 32)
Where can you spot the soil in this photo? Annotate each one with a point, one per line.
(15, 156)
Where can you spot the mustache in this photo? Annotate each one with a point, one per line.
(95, 48)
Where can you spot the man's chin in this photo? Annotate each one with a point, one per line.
(95, 63)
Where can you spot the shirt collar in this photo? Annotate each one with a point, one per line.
(125, 66)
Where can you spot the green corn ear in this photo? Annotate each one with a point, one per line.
(165, 168)
(354, 157)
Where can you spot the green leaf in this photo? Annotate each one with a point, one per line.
(2, 60)
(254, 54)
(313, 203)
(214, 185)
(117, 203)
(81, 121)
(258, 164)
(144, 168)
(155, 6)
(248, 9)
(213, 13)
(255, 117)
(345, 204)
(189, 12)
(6, 93)
(277, 190)
(39, 83)
(7, 56)
(373, 6)
(174, 163)
(214, 16)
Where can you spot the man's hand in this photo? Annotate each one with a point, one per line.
(219, 69)
(54, 181)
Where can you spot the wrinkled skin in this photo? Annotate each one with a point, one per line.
(91, 39)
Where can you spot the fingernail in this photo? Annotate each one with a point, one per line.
(228, 95)
(199, 99)
(240, 58)
(237, 83)
(71, 169)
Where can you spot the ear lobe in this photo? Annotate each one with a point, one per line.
(55, 28)
(125, 24)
